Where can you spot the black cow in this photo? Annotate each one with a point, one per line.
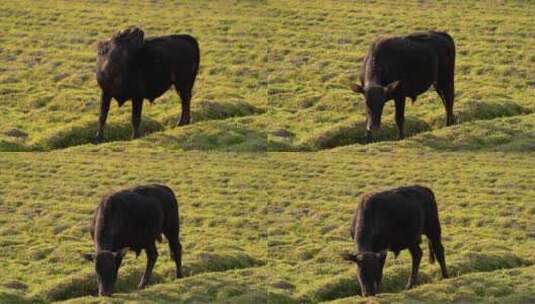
(394, 220)
(133, 219)
(400, 67)
(130, 67)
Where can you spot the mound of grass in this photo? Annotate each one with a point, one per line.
(8, 295)
(217, 135)
(84, 283)
(235, 287)
(217, 110)
(351, 132)
(9, 144)
(479, 110)
(500, 286)
(395, 277)
(210, 110)
(80, 133)
(501, 134)
(209, 262)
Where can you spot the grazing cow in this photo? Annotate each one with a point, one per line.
(133, 219)
(394, 220)
(400, 67)
(130, 67)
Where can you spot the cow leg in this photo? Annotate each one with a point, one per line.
(416, 253)
(152, 255)
(400, 116)
(137, 105)
(118, 261)
(449, 96)
(446, 93)
(104, 108)
(382, 265)
(185, 97)
(176, 252)
(438, 249)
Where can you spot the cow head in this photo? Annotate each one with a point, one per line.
(106, 267)
(375, 96)
(115, 56)
(369, 270)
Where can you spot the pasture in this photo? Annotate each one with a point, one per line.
(49, 95)
(47, 202)
(259, 223)
(268, 227)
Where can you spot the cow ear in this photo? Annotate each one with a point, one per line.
(120, 253)
(137, 37)
(357, 88)
(349, 257)
(359, 257)
(89, 256)
(391, 88)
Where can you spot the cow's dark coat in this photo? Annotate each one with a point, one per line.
(400, 67)
(130, 67)
(133, 219)
(394, 220)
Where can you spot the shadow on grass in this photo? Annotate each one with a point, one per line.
(396, 276)
(84, 283)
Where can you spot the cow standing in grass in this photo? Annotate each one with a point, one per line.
(394, 220)
(130, 67)
(133, 219)
(400, 67)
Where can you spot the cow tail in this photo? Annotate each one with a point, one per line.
(197, 59)
(433, 227)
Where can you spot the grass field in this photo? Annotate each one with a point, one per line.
(261, 224)
(48, 92)
(316, 51)
(46, 207)
(268, 227)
